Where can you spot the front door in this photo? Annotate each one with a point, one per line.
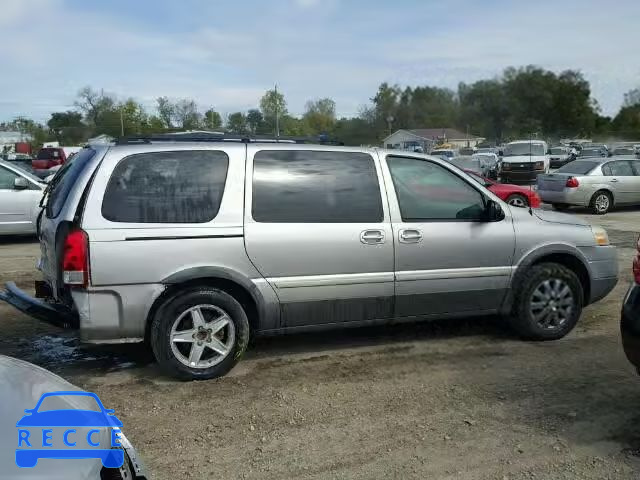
(449, 259)
(318, 230)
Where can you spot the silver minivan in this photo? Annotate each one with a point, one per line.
(197, 246)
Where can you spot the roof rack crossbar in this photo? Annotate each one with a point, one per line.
(218, 137)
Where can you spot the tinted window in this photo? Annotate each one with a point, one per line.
(622, 169)
(636, 166)
(48, 154)
(578, 167)
(61, 184)
(427, 191)
(7, 179)
(315, 187)
(166, 187)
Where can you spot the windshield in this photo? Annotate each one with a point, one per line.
(516, 149)
(624, 151)
(591, 152)
(442, 153)
(558, 151)
(578, 167)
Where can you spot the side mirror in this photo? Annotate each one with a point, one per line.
(493, 211)
(20, 183)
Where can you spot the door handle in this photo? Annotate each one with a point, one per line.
(410, 235)
(372, 237)
(613, 180)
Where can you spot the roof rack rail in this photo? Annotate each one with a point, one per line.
(220, 137)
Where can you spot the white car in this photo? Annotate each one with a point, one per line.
(20, 194)
(524, 160)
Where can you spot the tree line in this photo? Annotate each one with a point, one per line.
(520, 102)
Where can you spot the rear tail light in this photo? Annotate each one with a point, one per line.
(75, 259)
(572, 182)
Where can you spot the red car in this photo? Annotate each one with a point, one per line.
(512, 194)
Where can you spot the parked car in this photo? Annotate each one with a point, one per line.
(51, 157)
(20, 195)
(491, 164)
(625, 150)
(198, 246)
(25, 385)
(468, 162)
(597, 183)
(444, 153)
(523, 161)
(593, 152)
(559, 156)
(515, 195)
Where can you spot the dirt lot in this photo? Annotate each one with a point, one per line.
(455, 399)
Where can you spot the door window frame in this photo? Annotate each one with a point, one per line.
(394, 204)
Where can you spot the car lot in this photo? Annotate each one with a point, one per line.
(450, 399)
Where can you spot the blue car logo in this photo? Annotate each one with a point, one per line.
(40, 428)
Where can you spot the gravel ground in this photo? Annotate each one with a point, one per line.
(454, 399)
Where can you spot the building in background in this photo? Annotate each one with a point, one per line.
(429, 138)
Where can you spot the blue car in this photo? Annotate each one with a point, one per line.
(68, 417)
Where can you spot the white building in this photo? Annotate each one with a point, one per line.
(428, 138)
(9, 139)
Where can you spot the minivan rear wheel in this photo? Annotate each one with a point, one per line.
(199, 334)
(548, 302)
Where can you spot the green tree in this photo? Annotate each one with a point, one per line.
(67, 127)
(237, 123)
(166, 111)
(272, 106)
(320, 115)
(94, 104)
(37, 132)
(255, 121)
(186, 114)
(626, 123)
(212, 120)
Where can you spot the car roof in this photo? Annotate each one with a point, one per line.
(526, 141)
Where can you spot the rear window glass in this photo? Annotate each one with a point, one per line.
(578, 167)
(48, 154)
(166, 187)
(61, 184)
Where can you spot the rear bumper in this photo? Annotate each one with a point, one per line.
(630, 325)
(53, 313)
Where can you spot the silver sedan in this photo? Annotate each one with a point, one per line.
(20, 194)
(597, 183)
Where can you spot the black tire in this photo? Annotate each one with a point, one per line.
(560, 207)
(516, 197)
(522, 319)
(175, 306)
(596, 206)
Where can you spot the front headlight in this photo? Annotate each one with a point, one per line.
(600, 235)
(539, 165)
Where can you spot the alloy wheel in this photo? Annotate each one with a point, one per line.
(517, 201)
(602, 202)
(202, 336)
(551, 303)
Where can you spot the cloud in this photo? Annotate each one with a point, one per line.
(341, 50)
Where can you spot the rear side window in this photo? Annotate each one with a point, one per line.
(578, 167)
(622, 169)
(65, 178)
(49, 154)
(166, 187)
(315, 187)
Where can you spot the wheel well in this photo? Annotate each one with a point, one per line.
(575, 265)
(613, 200)
(234, 289)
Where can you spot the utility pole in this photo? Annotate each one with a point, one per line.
(277, 112)
(121, 123)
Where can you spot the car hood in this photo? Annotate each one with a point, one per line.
(22, 385)
(523, 159)
(557, 217)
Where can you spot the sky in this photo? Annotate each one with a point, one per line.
(225, 54)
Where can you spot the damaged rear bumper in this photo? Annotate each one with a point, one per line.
(54, 313)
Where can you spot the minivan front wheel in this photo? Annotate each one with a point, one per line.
(548, 302)
(199, 333)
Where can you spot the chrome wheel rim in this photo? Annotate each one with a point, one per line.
(517, 202)
(552, 304)
(202, 336)
(602, 203)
